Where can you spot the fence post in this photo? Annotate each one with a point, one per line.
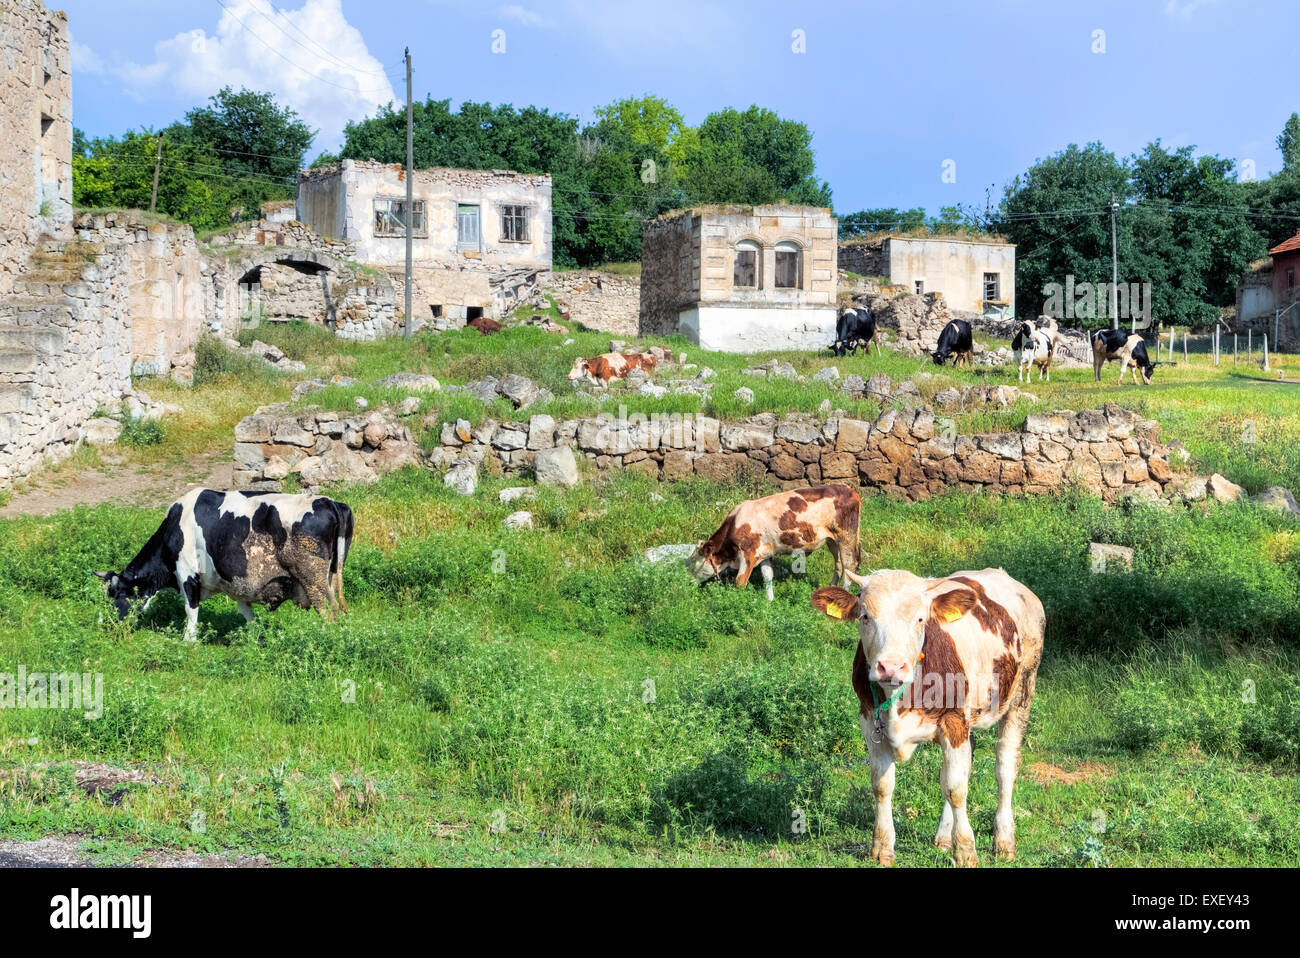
(1184, 345)
(1266, 352)
(1234, 349)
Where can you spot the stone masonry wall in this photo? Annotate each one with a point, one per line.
(64, 351)
(904, 453)
(598, 300)
(35, 131)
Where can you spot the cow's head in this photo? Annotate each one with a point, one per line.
(702, 563)
(940, 356)
(579, 370)
(122, 591)
(1148, 371)
(895, 613)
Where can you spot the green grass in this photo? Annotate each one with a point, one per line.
(489, 677)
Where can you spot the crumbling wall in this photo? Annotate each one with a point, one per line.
(598, 300)
(35, 132)
(65, 351)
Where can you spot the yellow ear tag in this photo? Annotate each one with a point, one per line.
(834, 612)
(953, 616)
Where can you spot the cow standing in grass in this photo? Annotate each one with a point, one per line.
(1033, 347)
(957, 342)
(781, 524)
(604, 369)
(1127, 349)
(935, 659)
(856, 326)
(254, 547)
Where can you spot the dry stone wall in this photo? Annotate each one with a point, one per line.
(602, 301)
(904, 453)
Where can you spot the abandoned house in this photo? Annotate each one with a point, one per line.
(741, 278)
(1268, 294)
(974, 274)
(482, 238)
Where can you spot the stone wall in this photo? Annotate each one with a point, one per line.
(599, 300)
(165, 290)
(904, 453)
(65, 350)
(864, 257)
(35, 132)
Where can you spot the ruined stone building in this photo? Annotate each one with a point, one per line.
(35, 130)
(1268, 294)
(482, 238)
(741, 278)
(973, 274)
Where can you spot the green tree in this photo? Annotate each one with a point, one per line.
(1288, 142)
(753, 157)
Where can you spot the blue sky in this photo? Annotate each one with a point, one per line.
(890, 90)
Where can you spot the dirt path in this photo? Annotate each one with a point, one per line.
(64, 851)
(121, 483)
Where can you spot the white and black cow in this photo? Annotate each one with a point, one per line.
(1033, 347)
(956, 341)
(1127, 349)
(856, 326)
(255, 547)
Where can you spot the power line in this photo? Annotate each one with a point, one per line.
(319, 50)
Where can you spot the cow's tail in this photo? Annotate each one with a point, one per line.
(342, 545)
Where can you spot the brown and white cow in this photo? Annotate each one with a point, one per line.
(601, 370)
(781, 524)
(935, 659)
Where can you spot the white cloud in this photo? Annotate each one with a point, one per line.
(84, 59)
(523, 16)
(311, 58)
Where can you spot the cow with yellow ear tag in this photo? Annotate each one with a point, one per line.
(937, 658)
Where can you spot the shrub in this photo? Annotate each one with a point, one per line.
(141, 432)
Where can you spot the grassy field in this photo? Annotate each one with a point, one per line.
(507, 697)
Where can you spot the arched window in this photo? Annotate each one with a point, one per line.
(745, 273)
(789, 266)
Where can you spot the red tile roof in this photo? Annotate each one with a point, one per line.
(1286, 246)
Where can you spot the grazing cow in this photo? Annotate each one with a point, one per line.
(856, 326)
(935, 659)
(485, 326)
(603, 369)
(1033, 347)
(955, 341)
(1128, 349)
(796, 521)
(254, 547)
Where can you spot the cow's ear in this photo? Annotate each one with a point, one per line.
(836, 602)
(951, 605)
(105, 576)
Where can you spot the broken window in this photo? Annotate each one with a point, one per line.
(920, 287)
(467, 232)
(993, 287)
(789, 266)
(514, 224)
(746, 270)
(390, 217)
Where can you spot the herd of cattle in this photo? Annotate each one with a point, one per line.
(936, 658)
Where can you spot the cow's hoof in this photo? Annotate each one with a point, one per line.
(882, 853)
(943, 841)
(965, 856)
(1006, 850)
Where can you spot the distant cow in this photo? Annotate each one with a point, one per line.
(797, 521)
(254, 547)
(856, 326)
(1033, 347)
(1127, 349)
(604, 369)
(485, 326)
(955, 341)
(935, 659)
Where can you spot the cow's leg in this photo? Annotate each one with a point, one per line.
(765, 567)
(193, 596)
(943, 837)
(1010, 735)
(743, 571)
(882, 787)
(954, 778)
(246, 610)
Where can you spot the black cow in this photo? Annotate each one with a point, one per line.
(855, 326)
(254, 547)
(956, 341)
(1128, 349)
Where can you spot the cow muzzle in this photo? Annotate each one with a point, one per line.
(892, 673)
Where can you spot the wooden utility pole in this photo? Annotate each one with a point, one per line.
(157, 166)
(1114, 271)
(410, 192)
